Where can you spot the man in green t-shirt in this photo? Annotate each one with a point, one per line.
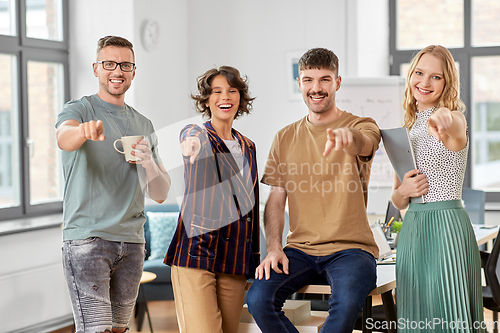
(321, 165)
(103, 237)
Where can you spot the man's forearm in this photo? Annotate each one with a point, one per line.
(274, 222)
(362, 145)
(157, 182)
(68, 137)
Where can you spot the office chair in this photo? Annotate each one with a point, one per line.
(491, 292)
(474, 204)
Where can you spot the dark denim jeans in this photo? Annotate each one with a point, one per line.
(352, 274)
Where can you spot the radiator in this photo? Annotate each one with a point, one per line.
(31, 299)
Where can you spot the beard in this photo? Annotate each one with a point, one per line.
(108, 88)
(318, 108)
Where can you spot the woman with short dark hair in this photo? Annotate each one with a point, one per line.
(216, 245)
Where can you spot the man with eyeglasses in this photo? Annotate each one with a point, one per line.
(103, 236)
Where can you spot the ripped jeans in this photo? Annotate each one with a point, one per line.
(103, 280)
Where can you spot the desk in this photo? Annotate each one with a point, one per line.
(146, 278)
(484, 235)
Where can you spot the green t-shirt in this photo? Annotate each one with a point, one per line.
(103, 193)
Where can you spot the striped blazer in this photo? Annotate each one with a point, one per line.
(218, 226)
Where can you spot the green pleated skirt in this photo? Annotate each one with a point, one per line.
(438, 271)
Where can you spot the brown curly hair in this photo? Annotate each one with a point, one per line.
(234, 80)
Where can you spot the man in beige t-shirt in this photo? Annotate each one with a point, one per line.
(321, 164)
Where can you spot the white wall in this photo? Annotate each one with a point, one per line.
(372, 51)
(162, 80)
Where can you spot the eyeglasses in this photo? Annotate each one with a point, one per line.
(111, 65)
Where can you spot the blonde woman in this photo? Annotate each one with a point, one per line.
(438, 266)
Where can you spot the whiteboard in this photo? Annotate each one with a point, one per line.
(380, 98)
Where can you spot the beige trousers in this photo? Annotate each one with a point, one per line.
(207, 302)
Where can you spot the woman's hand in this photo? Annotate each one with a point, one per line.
(440, 122)
(191, 147)
(414, 184)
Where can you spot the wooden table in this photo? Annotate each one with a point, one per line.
(484, 234)
(146, 278)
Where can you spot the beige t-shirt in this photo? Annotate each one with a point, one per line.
(327, 196)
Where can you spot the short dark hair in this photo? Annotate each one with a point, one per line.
(319, 58)
(234, 79)
(113, 41)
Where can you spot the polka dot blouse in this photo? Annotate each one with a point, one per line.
(444, 169)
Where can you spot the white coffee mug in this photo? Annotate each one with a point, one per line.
(127, 142)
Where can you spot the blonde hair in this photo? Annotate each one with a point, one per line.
(450, 97)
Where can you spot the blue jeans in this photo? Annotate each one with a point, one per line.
(351, 273)
(103, 280)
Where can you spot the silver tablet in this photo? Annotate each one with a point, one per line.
(398, 147)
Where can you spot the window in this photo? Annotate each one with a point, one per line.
(417, 28)
(44, 19)
(7, 18)
(472, 33)
(486, 122)
(485, 27)
(33, 88)
(45, 100)
(9, 148)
